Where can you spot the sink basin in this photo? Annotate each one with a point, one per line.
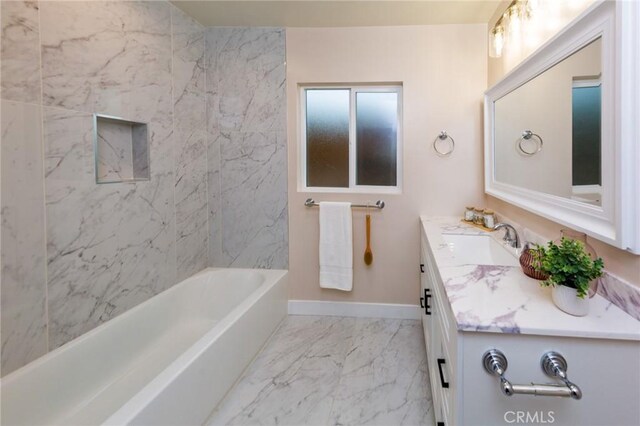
(478, 250)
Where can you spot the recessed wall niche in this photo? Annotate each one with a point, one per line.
(121, 149)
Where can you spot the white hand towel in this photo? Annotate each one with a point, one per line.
(336, 246)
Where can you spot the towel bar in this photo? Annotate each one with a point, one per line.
(378, 205)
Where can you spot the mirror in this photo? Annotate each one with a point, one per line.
(562, 128)
(547, 132)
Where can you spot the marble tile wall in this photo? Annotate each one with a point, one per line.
(246, 122)
(23, 273)
(109, 246)
(23, 293)
(20, 47)
(192, 228)
(105, 247)
(76, 253)
(108, 57)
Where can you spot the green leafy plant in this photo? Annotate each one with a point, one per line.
(567, 264)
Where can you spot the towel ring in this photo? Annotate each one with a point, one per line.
(526, 136)
(443, 136)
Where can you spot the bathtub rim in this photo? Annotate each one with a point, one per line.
(89, 334)
(271, 277)
(173, 370)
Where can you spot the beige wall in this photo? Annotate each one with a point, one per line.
(443, 72)
(619, 262)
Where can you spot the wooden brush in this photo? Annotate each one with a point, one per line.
(368, 254)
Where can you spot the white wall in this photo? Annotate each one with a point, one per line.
(443, 72)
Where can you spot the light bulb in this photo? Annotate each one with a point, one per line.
(533, 6)
(496, 42)
(499, 42)
(513, 36)
(515, 22)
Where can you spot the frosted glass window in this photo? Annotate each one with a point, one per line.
(351, 138)
(327, 129)
(376, 138)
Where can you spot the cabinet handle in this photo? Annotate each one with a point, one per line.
(427, 296)
(442, 382)
(422, 268)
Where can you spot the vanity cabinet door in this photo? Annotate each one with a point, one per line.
(443, 371)
(440, 343)
(434, 356)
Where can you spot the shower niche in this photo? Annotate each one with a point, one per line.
(121, 149)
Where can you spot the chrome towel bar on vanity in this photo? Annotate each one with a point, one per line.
(553, 364)
(378, 205)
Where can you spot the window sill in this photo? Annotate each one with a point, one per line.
(358, 190)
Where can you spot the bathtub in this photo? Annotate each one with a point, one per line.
(168, 361)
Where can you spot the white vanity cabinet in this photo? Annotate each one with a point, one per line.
(606, 368)
(441, 341)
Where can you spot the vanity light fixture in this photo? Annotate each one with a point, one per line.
(524, 21)
(509, 26)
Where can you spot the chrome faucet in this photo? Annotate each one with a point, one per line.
(510, 236)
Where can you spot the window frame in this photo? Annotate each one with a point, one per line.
(354, 89)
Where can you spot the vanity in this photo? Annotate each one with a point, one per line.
(475, 298)
(561, 142)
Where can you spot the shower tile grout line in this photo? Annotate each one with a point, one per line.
(44, 186)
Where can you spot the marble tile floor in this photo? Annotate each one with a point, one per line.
(334, 371)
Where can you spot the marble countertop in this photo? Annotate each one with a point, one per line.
(502, 299)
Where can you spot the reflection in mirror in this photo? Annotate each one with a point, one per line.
(585, 156)
(561, 108)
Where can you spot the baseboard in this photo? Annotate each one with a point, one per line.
(354, 309)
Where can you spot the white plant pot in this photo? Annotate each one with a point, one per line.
(566, 298)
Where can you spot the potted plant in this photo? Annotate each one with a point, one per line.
(570, 270)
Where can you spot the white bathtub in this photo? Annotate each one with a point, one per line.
(168, 361)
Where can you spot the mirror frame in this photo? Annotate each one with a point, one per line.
(616, 220)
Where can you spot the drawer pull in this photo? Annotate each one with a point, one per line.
(442, 382)
(422, 268)
(424, 301)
